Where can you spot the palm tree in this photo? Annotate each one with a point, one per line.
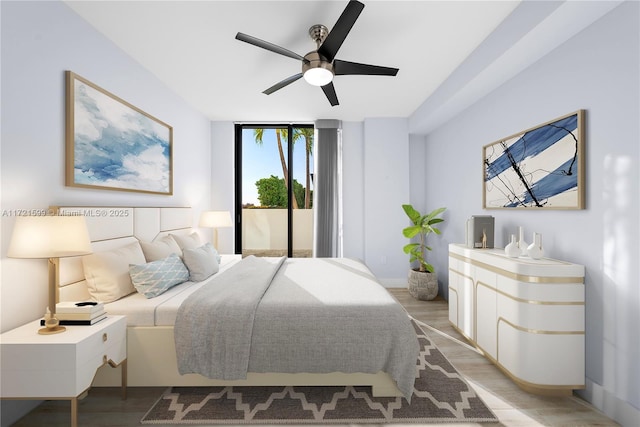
(258, 134)
(307, 134)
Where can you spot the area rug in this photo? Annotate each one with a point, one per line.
(440, 395)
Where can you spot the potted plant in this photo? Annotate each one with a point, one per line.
(423, 281)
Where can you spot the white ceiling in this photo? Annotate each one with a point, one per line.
(191, 47)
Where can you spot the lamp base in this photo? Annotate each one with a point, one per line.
(51, 322)
(52, 330)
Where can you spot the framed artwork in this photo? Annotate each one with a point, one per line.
(539, 168)
(112, 145)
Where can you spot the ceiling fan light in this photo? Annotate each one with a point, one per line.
(318, 76)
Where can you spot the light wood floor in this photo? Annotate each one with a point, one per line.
(513, 407)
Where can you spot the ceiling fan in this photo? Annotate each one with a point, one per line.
(320, 66)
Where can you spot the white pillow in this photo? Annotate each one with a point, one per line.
(202, 262)
(160, 248)
(107, 273)
(190, 241)
(156, 277)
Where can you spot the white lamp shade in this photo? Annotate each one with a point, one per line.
(49, 237)
(216, 219)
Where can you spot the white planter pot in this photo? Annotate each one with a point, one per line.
(422, 285)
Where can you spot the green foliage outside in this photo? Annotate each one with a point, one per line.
(272, 192)
(307, 197)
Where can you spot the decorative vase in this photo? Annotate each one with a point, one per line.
(522, 244)
(535, 249)
(423, 285)
(512, 250)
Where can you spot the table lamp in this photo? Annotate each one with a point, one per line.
(215, 220)
(50, 237)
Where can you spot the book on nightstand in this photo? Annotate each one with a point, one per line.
(76, 322)
(84, 307)
(79, 316)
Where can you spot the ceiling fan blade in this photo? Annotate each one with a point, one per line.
(343, 68)
(330, 92)
(282, 84)
(268, 46)
(338, 33)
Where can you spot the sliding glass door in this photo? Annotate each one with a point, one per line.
(274, 190)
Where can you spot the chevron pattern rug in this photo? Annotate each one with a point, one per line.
(440, 395)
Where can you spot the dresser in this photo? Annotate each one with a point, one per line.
(525, 315)
(60, 366)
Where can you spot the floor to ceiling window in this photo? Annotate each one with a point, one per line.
(274, 190)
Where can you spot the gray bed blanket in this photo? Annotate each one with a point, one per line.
(316, 315)
(214, 325)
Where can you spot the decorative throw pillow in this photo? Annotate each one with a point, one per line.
(107, 273)
(160, 248)
(190, 241)
(202, 262)
(156, 277)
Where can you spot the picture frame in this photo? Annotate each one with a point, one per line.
(539, 168)
(113, 145)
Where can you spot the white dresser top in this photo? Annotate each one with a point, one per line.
(496, 258)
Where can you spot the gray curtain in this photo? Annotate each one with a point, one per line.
(327, 195)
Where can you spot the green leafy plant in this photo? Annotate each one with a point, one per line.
(423, 225)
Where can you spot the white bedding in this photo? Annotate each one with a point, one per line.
(161, 310)
(289, 315)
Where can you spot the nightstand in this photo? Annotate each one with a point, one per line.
(60, 366)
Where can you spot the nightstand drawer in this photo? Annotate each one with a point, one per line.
(115, 354)
(113, 350)
(98, 343)
(35, 357)
(40, 383)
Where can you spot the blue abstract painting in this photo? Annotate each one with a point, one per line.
(541, 167)
(114, 145)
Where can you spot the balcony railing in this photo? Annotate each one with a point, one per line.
(264, 232)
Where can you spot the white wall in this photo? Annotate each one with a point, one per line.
(222, 179)
(386, 188)
(352, 189)
(40, 40)
(417, 166)
(598, 71)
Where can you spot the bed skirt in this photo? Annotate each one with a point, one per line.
(151, 362)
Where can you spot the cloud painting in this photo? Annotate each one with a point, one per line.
(115, 145)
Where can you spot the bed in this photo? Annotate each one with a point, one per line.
(324, 321)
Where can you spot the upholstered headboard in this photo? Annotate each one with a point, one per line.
(112, 227)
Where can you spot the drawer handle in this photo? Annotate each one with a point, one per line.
(104, 359)
(104, 336)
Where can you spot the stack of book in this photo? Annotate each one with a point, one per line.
(79, 313)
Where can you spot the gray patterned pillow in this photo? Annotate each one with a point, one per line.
(156, 277)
